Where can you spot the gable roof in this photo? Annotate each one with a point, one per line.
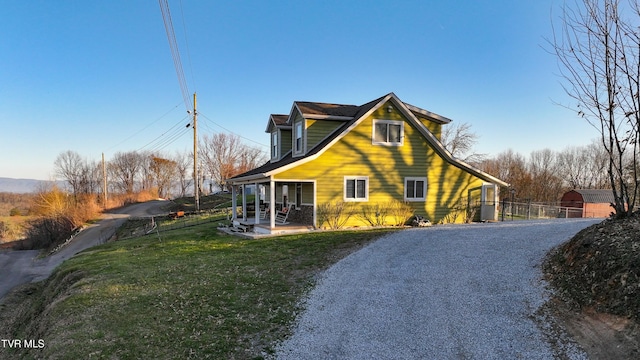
(323, 110)
(595, 196)
(359, 114)
(277, 120)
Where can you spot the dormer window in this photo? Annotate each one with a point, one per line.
(297, 133)
(274, 145)
(388, 132)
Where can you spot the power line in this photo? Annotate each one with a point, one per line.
(144, 128)
(229, 131)
(161, 142)
(186, 42)
(175, 53)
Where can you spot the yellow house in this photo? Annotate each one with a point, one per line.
(346, 165)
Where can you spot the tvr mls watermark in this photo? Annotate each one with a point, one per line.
(22, 343)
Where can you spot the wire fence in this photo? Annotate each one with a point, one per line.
(526, 211)
(136, 227)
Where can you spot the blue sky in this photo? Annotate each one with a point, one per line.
(97, 76)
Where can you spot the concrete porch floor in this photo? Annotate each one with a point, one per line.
(263, 229)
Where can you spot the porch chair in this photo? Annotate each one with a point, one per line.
(264, 213)
(281, 216)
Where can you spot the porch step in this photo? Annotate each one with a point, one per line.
(241, 228)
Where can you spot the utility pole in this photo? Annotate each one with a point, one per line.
(196, 180)
(104, 180)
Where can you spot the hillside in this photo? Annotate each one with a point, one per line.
(20, 186)
(596, 277)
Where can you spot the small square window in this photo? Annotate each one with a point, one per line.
(415, 189)
(356, 188)
(388, 132)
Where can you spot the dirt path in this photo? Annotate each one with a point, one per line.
(21, 267)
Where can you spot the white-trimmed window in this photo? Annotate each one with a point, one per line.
(297, 134)
(415, 189)
(388, 132)
(274, 145)
(356, 188)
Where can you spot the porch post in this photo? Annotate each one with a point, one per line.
(315, 206)
(272, 204)
(234, 203)
(244, 202)
(256, 204)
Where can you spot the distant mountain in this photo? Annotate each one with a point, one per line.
(20, 186)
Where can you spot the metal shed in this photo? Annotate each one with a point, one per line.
(595, 203)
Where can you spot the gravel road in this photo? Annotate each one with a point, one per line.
(21, 267)
(446, 292)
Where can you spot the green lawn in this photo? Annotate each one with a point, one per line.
(193, 294)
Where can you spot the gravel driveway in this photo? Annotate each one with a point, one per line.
(447, 292)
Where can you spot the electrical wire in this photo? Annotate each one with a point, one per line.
(186, 42)
(229, 131)
(175, 53)
(168, 137)
(144, 128)
(177, 136)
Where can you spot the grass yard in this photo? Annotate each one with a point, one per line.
(194, 294)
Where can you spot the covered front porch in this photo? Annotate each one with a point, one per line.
(274, 207)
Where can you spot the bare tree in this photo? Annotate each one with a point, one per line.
(511, 167)
(546, 184)
(460, 140)
(184, 164)
(124, 169)
(599, 53)
(164, 172)
(225, 156)
(91, 178)
(69, 166)
(584, 167)
(146, 172)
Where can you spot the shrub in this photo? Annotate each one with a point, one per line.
(15, 212)
(4, 230)
(47, 232)
(335, 214)
(375, 214)
(400, 211)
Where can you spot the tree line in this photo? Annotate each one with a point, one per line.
(545, 175)
(130, 176)
(542, 177)
(220, 155)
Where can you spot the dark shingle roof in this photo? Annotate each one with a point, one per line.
(596, 195)
(279, 119)
(315, 108)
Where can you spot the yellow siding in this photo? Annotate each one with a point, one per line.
(386, 167)
(434, 127)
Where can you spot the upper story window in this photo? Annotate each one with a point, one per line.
(388, 132)
(274, 145)
(297, 133)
